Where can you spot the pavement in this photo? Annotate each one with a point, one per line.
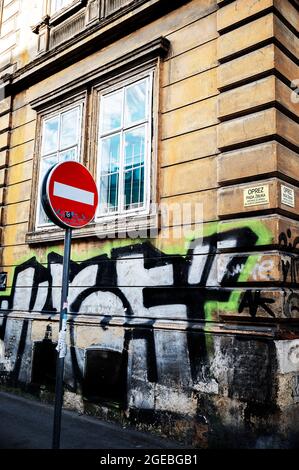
(27, 424)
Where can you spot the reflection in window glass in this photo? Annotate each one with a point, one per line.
(50, 140)
(60, 142)
(134, 186)
(134, 167)
(134, 147)
(57, 5)
(109, 192)
(110, 151)
(110, 154)
(69, 129)
(112, 112)
(123, 148)
(67, 155)
(135, 108)
(46, 164)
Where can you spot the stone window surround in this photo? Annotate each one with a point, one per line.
(146, 58)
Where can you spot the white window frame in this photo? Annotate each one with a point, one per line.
(121, 85)
(47, 117)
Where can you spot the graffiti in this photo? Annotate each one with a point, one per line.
(295, 93)
(138, 280)
(3, 281)
(286, 240)
(296, 388)
(291, 305)
(290, 269)
(236, 270)
(138, 287)
(253, 300)
(260, 271)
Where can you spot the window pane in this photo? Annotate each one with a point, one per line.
(43, 219)
(69, 128)
(109, 193)
(135, 104)
(109, 154)
(111, 112)
(134, 188)
(60, 142)
(134, 147)
(109, 162)
(134, 167)
(71, 154)
(138, 187)
(46, 164)
(58, 4)
(50, 137)
(113, 194)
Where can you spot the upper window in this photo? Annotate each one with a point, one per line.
(61, 141)
(118, 148)
(124, 148)
(57, 5)
(107, 120)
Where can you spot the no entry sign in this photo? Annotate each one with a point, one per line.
(69, 195)
(70, 199)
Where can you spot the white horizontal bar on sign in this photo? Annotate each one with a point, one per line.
(74, 194)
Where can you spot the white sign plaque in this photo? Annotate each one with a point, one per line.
(287, 196)
(256, 195)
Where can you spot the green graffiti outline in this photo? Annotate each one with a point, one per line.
(106, 248)
(180, 249)
(264, 238)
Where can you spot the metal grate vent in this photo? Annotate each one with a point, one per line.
(67, 30)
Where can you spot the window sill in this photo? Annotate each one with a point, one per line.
(118, 228)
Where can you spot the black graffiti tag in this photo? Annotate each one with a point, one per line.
(253, 300)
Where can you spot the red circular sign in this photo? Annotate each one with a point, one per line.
(69, 195)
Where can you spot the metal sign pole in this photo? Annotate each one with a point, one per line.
(61, 348)
(69, 198)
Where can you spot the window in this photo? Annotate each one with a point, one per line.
(61, 141)
(57, 5)
(108, 120)
(117, 144)
(124, 148)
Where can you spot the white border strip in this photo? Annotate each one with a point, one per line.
(73, 194)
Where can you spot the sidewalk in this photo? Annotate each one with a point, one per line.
(27, 424)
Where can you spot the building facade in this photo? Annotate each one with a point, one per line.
(184, 301)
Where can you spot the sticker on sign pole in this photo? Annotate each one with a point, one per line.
(69, 195)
